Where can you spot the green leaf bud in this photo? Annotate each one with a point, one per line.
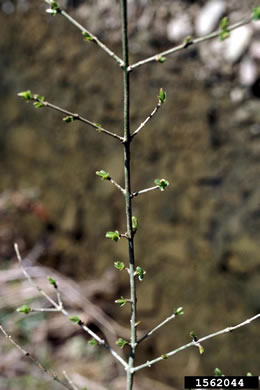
(119, 265)
(24, 309)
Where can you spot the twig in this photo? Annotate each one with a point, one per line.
(64, 312)
(76, 116)
(92, 36)
(146, 120)
(156, 328)
(74, 387)
(195, 343)
(35, 361)
(145, 190)
(190, 42)
(116, 184)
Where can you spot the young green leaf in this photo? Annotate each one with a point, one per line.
(193, 336)
(27, 95)
(99, 127)
(224, 33)
(140, 272)
(119, 265)
(103, 174)
(162, 96)
(54, 7)
(52, 281)
(256, 13)
(164, 356)
(68, 119)
(121, 301)
(24, 309)
(188, 41)
(93, 341)
(114, 236)
(162, 183)
(218, 372)
(87, 36)
(75, 319)
(161, 59)
(134, 223)
(179, 311)
(121, 342)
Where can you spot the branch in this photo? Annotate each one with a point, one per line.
(143, 191)
(74, 116)
(116, 184)
(147, 119)
(195, 343)
(189, 42)
(157, 327)
(35, 361)
(55, 8)
(59, 308)
(74, 387)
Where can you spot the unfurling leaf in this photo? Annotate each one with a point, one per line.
(68, 119)
(114, 236)
(218, 372)
(75, 319)
(52, 281)
(103, 174)
(27, 95)
(179, 311)
(224, 33)
(119, 265)
(54, 7)
(93, 341)
(134, 223)
(140, 272)
(162, 96)
(87, 36)
(162, 183)
(24, 309)
(121, 342)
(256, 13)
(121, 301)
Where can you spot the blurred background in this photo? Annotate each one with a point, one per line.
(198, 240)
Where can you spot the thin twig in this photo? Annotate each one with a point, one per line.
(145, 190)
(76, 116)
(195, 343)
(51, 374)
(188, 43)
(156, 328)
(92, 36)
(64, 312)
(74, 387)
(116, 184)
(146, 120)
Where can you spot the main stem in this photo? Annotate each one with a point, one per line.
(128, 202)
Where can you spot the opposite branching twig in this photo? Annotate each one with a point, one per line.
(51, 374)
(195, 343)
(59, 308)
(189, 41)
